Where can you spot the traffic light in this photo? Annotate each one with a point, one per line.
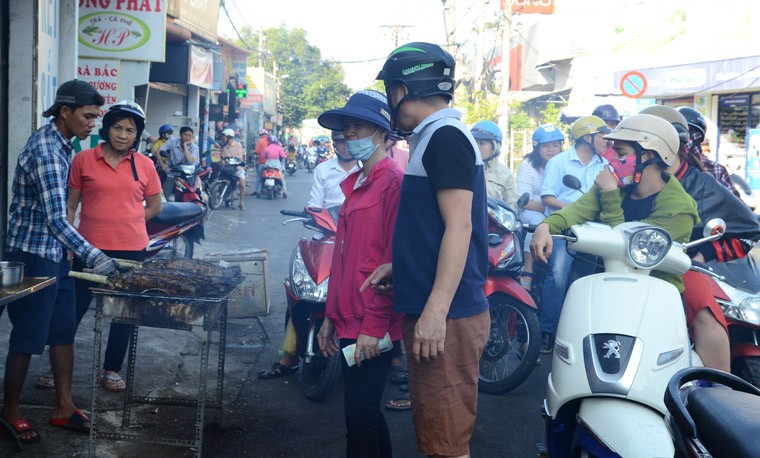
(242, 90)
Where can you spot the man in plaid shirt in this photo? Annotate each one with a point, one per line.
(697, 127)
(39, 235)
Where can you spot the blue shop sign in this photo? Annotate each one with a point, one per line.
(740, 73)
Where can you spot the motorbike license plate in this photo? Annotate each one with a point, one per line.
(269, 182)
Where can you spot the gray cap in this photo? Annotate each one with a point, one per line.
(74, 92)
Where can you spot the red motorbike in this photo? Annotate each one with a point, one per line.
(736, 286)
(177, 228)
(515, 336)
(189, 183)
(306, 290)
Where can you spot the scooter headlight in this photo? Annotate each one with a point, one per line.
(504, 217)
(743, 306)
(303, 285)
(648, 247)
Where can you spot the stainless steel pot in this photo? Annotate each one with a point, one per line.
(12, 272)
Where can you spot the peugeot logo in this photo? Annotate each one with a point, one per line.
(613, 349)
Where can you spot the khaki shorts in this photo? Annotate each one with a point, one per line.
(444, 390)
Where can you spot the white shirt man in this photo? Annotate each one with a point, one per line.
(325, 191)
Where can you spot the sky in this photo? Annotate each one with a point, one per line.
(347, 31)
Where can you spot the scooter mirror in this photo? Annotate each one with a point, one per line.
(523, 200)
(572, 182)
(713, 227)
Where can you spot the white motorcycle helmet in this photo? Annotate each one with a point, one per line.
(651, 133)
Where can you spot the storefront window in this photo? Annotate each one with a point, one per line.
(754, 115)
(753, 152)
(733, 119)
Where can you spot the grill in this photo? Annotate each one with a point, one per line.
(155, 308)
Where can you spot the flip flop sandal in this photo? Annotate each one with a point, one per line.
(399, 404)
(45, 382)
(14, 429)
(277, 370)
(113, 383)
(76, 422)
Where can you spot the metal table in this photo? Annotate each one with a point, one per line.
(9, 294)
(201, 316)
(27, 286)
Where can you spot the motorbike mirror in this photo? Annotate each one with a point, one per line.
(523, 200)
(572, 182)
(739, 181)
(713, 227)
(713, 230)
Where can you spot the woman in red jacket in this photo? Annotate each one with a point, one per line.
(363, 242)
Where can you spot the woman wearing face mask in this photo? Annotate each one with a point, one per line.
(363, 242)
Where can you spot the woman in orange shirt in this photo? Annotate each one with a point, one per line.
(112, 181)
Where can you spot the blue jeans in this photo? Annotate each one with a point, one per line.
(555, 287)
(259, 181)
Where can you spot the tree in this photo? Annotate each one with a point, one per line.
(312, 86)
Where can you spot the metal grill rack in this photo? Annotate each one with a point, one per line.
(201, 316)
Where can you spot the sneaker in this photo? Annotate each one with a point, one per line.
(547, 343)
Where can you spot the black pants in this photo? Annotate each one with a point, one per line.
(367, 433)
(119, 333)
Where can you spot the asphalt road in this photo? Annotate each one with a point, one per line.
(262, 418)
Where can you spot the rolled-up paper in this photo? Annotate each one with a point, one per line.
(349, 351)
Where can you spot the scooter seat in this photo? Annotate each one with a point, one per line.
(727, 421)
(177, 212)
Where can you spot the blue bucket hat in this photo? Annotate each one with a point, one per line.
(367, 105)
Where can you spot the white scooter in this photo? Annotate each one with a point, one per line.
(621, 337)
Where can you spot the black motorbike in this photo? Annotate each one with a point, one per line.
(712, 421)
(225, 188)
(291, 166)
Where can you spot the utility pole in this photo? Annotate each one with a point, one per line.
(504, 92)
(450, 17)
(396, 30)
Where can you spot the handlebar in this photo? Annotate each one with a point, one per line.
(299, 214)
(698, 268)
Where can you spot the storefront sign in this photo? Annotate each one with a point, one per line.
(201, 67)
(47, 52)
(103, 74)
(200, 16)
(728, 74)
(529, 6)
(122, 29)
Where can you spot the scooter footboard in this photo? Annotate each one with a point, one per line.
(628, 428)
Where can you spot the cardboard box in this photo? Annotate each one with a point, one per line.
(251, 298)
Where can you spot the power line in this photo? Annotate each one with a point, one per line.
(227, 13)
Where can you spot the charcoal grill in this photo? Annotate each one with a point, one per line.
(201, 316)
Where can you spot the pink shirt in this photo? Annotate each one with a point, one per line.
(273, 151)
(112, 215)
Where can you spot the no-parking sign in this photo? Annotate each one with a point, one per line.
(633, 84)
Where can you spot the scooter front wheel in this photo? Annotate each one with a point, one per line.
(513, 344)
(216, 191)
(748, 368)
(321, 373)
(182, 247)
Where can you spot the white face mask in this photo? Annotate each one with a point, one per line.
(362, 149)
